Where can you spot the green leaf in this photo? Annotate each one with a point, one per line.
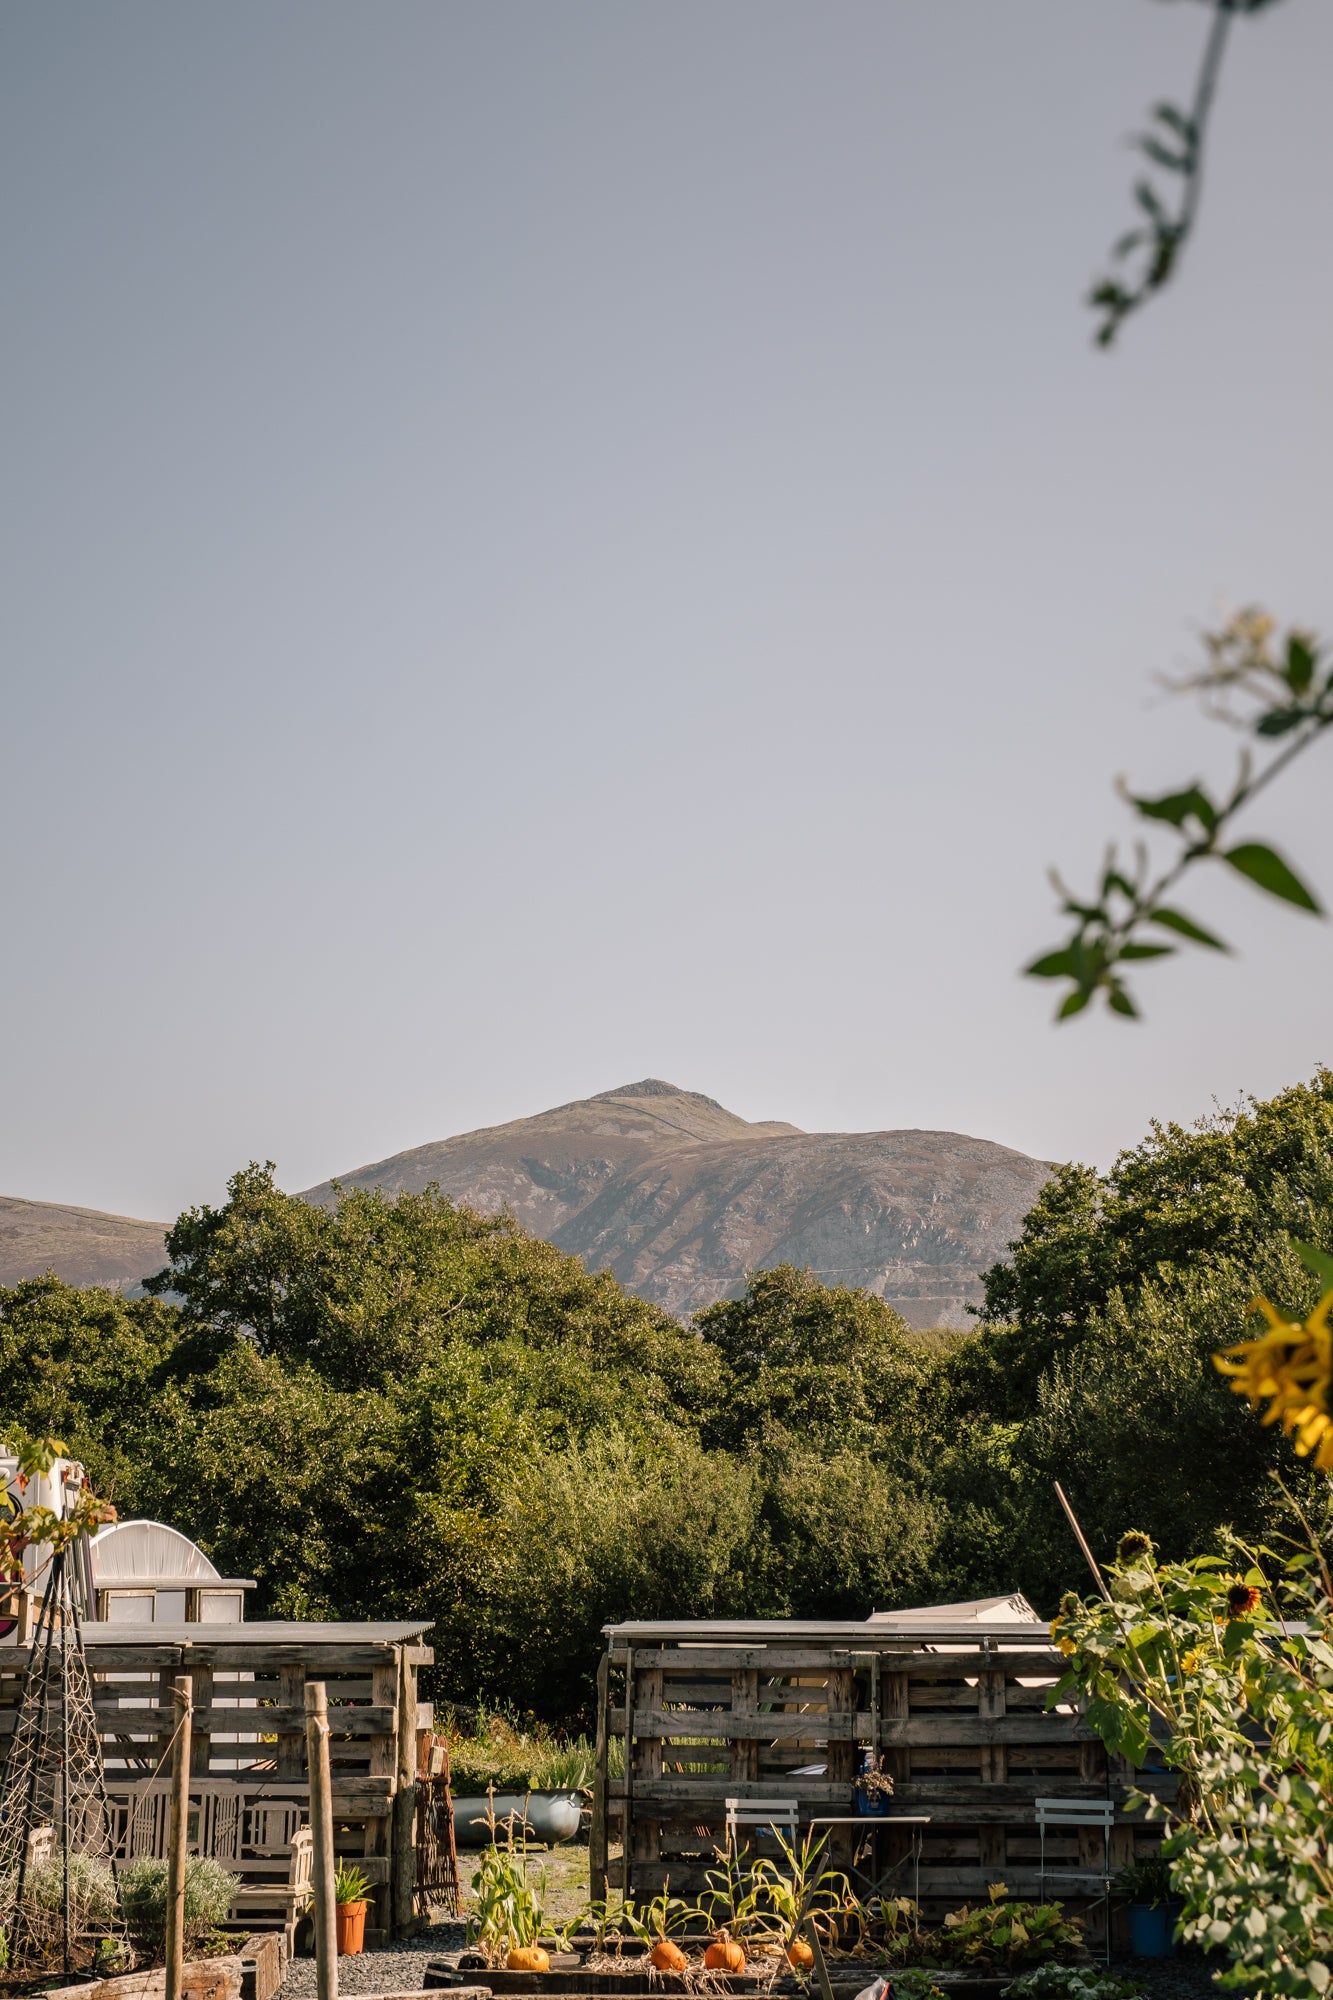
(1176, 920)
(1134, 1738)
(1073, 1003)
(1299, 673)
(1147, 951)
(1279, 721)
(1177, 807)
(1055, 965)
(1317, 1262)
(1176, 163)
(1120, 1003)
(1178, 120)
(1269, 871)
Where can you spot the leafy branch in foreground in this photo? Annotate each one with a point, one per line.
(1284, 691)
(1173, 143)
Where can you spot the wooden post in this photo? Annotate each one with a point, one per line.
(178, 1840)
(627, 1811)
(404, 1857)
(321, 1826)
(597, 1840)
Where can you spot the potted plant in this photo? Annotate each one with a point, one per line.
(349, 1893)
(873, 1789)
(1145, 1890)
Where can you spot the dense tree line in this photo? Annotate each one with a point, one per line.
(398, 1407)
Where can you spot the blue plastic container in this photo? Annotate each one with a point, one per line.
(1151, 1929)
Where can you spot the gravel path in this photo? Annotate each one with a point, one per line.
(397, 1968)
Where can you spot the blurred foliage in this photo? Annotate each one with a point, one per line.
(536, 1453)
(1269, 690)
(1168, 190)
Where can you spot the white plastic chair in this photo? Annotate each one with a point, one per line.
(763, 1815)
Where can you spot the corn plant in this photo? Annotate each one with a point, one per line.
(659, 1918)
(804, 1889)
(508, 1910)
(734, 1897)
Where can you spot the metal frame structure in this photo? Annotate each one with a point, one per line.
(54, 1777)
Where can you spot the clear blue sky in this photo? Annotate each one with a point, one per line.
(545, 543)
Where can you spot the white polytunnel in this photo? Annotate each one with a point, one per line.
(147, 1550)
(145, 1573)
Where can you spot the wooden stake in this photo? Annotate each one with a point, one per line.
(178, 1837)
(321, 1826)
(1078, 1537)
(403, 1826)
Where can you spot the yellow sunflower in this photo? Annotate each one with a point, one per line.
(1290, 1367)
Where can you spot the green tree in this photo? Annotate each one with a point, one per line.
(811, 1361)
(1233, 1188)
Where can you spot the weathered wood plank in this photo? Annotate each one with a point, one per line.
(693, 1793)
(936, 1730)
(1045, 1661)
(218, 1719)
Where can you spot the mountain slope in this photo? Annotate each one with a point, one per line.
(673, 1193)
(81, 1245)
(679, 1197)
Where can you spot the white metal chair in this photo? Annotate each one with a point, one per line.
(763, 1816)
(1089, 1815)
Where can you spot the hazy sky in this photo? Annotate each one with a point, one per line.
(549, 541)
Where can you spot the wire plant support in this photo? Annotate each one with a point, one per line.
(55, 1818)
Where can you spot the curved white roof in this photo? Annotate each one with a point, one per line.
(143, 1551)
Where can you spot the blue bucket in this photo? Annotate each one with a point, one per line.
(1151, 1929)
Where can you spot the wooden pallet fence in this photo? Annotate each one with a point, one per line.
(963, 1731)
(249, 1792)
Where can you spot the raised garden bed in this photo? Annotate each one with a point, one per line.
(567, 1979)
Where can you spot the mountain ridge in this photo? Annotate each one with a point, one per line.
(670, 1191)
(679, 1197)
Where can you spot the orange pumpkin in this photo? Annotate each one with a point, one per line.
(724, 1954)
(668, 1957)
(800, 1955)
(527, 1958)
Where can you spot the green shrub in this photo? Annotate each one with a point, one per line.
(209, 1892)
(92, 1889)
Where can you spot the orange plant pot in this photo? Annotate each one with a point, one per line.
(351, 1921)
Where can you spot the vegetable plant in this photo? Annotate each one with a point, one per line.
(1002, 1934)
(913, 1982)
(1069, 1982)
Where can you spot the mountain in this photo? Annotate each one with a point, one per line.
(679, 1197)
(84, 1246)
